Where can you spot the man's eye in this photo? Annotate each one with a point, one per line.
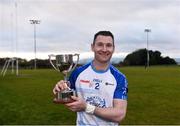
(99, 44)
(109, 45)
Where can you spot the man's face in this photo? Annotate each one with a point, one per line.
(103, 48)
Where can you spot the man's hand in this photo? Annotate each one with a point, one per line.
(60, 86)
(78, 105)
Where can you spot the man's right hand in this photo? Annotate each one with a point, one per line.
(60, 86)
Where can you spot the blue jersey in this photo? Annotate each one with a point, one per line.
(98, 88)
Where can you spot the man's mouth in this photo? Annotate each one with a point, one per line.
(104, 54)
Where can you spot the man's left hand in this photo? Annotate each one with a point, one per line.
(78, 105)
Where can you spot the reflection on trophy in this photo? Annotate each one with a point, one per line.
(64, 64)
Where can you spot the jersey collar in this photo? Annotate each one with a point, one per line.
(99, 71)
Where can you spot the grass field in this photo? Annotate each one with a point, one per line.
(153, 98)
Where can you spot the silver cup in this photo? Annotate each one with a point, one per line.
(64, 64)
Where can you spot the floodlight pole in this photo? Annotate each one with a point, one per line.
(147, 31)
(16, 20)
(34, 22)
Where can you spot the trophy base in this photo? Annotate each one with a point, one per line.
(65, 96)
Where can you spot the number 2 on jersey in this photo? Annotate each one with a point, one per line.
(97, 86)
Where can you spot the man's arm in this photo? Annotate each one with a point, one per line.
(114, 114)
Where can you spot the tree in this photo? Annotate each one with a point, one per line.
(139, 57)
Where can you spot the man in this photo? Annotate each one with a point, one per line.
(101, 88)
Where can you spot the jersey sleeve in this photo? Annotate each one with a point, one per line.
(72, 79)
(121, 88)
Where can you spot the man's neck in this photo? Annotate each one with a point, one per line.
(100, 66)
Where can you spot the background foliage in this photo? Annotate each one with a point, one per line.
(139, 57)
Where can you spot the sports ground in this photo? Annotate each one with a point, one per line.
(153, 97)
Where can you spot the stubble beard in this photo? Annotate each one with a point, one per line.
(101, 60)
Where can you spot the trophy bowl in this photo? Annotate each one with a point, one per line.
(65, 64)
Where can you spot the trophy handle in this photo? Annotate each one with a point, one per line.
(52, 62)
(71, 68)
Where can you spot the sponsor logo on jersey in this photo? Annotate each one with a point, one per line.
(96, 101)
(97, 80)
(85, 81)
(90, 84)
(107, 83)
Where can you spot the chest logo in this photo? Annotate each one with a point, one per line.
(96, 101)
(107, 83)
(86, 82)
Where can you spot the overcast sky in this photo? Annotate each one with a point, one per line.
(68, 26)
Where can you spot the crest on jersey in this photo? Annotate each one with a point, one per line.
(96, 101)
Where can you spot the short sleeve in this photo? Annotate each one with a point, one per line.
(121, 88)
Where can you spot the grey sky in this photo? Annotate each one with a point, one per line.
(69, 25)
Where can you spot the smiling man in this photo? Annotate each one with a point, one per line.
(101, 88)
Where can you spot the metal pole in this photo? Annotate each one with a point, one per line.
(147, 51)
(12, 59)
(35, 46)
(34, 22)
(148, 58)
(17, 64)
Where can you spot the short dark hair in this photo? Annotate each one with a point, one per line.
(104, 33)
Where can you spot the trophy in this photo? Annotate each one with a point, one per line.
(65, 64)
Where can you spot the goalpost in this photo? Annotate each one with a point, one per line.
(6, 65)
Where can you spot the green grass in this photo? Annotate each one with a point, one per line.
(27, 99)
(153, 98)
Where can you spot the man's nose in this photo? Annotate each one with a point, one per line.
(104, 48)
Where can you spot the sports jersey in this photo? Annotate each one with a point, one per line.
(97, 88)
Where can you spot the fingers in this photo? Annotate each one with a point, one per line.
(72, 106)
(78, 104)
(61, 85)
(74, 103)
(58, 101)
(74, 98)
